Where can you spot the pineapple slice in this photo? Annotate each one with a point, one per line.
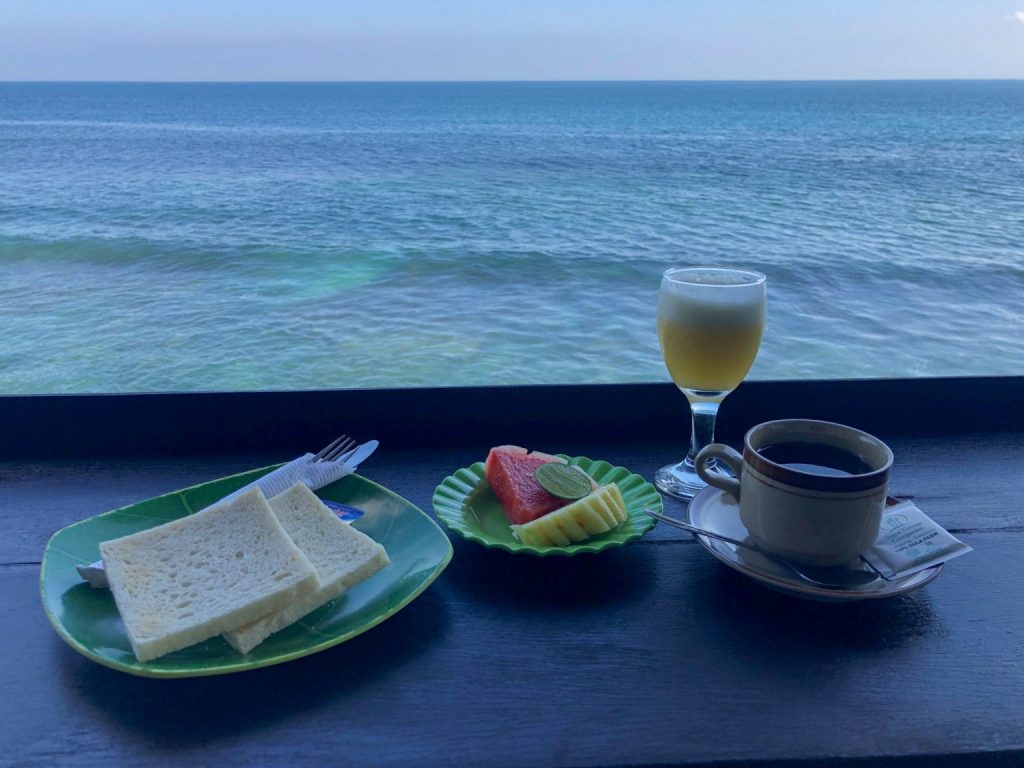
(598, 512)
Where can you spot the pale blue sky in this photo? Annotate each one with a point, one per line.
(520, 40)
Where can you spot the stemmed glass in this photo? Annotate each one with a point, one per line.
(710, 323)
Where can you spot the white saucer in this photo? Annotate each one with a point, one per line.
(714, 510)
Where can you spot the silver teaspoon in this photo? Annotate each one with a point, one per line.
(831, 578)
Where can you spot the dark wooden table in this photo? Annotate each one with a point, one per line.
(649, 654)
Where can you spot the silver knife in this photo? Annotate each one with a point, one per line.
(361, 454)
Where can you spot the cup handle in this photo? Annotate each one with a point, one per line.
(724, 454)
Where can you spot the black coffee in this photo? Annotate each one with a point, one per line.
(816, 459)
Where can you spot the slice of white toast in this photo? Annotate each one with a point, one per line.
(192, 579)
(341, 555)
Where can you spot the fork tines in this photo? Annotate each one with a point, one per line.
(340, 446)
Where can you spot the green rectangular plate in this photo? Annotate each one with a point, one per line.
(88, 621)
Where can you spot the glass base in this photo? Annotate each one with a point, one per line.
(680, 481)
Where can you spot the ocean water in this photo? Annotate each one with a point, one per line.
(210, 237)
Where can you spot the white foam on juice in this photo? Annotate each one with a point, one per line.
(711, 300)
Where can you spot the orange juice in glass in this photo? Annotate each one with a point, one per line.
(710, 323)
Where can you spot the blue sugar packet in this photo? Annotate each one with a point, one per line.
(345, 512)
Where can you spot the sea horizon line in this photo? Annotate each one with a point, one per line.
(595, 81)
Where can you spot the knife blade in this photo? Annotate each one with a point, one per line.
(361, 454)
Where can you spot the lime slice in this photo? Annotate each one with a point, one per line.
(562, 481)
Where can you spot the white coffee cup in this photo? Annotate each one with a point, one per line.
(810, 491)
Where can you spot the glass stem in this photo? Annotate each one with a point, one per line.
(703, 431)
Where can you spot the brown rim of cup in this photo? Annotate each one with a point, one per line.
(811, 482)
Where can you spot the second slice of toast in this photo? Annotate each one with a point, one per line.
(341, 555)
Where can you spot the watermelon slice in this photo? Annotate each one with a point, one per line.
(509, 470)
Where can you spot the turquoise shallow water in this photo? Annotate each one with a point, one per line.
(193, 237)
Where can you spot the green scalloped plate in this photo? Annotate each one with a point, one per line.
(466, 504)
(88, 621)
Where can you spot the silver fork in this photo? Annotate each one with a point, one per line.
(338, 450)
